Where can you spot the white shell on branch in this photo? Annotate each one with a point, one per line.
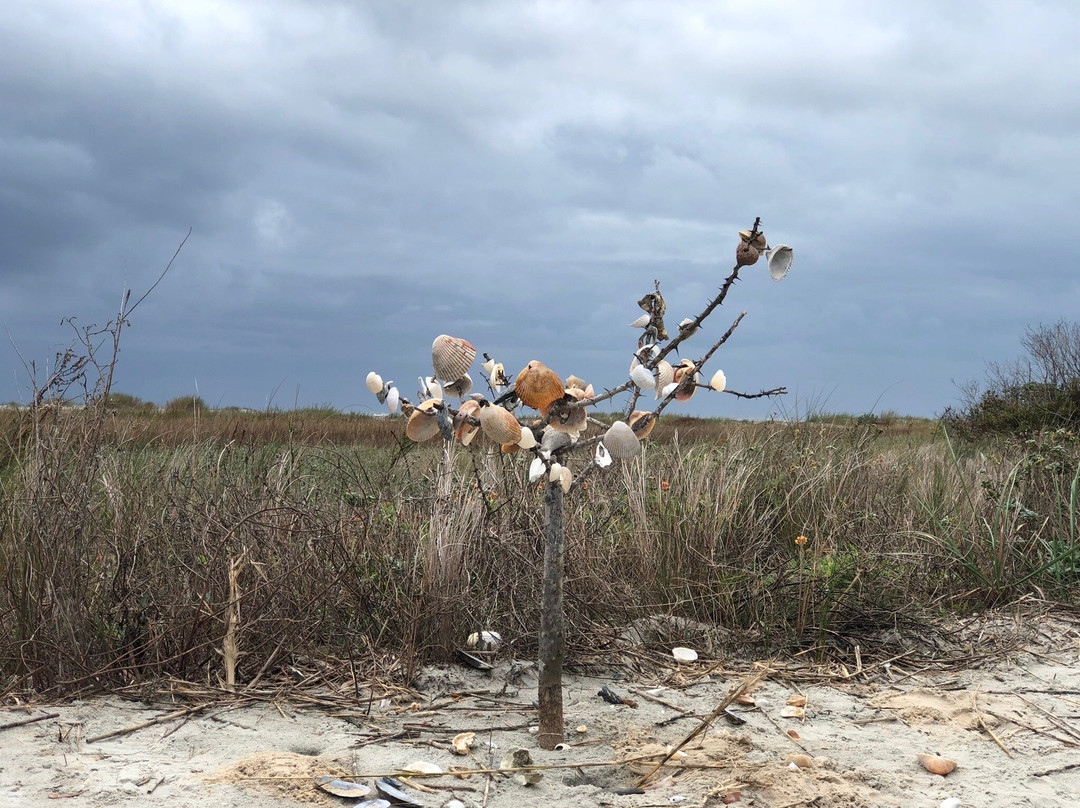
(430, 387)
(374, 382)
(460, 388)
(641, 321)
(621, 442)
(603, 457)
(393, 400)
(528, 439)
(779, 258)
(718, 382)
(499, 424)
(566, 478)
(536, 469)
(643, 377)
(665, 375)
(451, 357)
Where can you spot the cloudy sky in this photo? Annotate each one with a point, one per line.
(359, 177)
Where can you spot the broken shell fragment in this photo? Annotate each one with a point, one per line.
(451, 357)
(499, 424)
(935, 764)
(779, 259)
(488, 366)
(430, 387)
(582, 729)
(341, 788)
(718, 381)
(621, 442)
(603, 457)
(746, 699)
(423, 767)
(684, 654)
(538, 386)
(797, 701)
(802, 761)
(374, 382)
(792, 712)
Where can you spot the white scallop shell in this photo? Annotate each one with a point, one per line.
(643, 377)
(528, 439)
(718, 382)
(393, 400)
(430, 387)
(621, 442)
(779, 258)
(374, 382)
(451, 357)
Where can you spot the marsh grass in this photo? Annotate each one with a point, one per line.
(227, 546)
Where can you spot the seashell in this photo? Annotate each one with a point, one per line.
(641, 321)
(538, 386)
(574, 383)
(499, 382)
(484, 640)
(528, 438)
(581, 729)
(603, 457)
(686, 389)
(374, 382)
(669, 389)
(746, 700)
(745, 255)
(463, 742)
(755, 240)
(684, 654)
(687, 328)
(499, 424)
(792, 712)
(779, 258)
(802, 761)
(935, 764)
(621, 442)
(718, 381)
(341, 788)
(391, 790)
(460, 388)
(488, 366)
(793, 734)
(665, 375)
(684, 367)
(731, 798)
(554, 472)
(430, 387)
(422, 767)
(950, 802)
(516, 759)
(465, 431)
(644, 431)
(566, 479)
(589, 392)
(797, 701)
(536, 469)
(422, 423)
(509, 448)
(451, 357)
(552, 440)
(643, 377)
(393, 400)
(570, 421)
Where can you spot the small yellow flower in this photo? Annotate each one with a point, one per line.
(801, 540)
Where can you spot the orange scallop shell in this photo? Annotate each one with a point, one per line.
(451, 357)
(422, 425)
(499, 424)
(636, 416)
(538, 386)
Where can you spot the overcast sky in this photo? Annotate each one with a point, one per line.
(360, 177)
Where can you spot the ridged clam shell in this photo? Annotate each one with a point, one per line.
(665, 375)
(538, 386)
(636, 416)
(935, 764)
(451, 357)
(374, 382)
(499, 425)
(465, 430)
(422, 423)
(745, 255)
(459, 388)
(621, 442)
(779, 258)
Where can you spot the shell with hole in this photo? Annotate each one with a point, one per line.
(423, 424)
(451, 357)
(499, 424)
(935, 764)
(779, 259)
(636, 417)
(621, 442)
(538, 386)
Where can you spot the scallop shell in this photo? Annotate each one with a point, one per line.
(528, 438)
(499, 424)
(538, 386)
(463, 742)
(569, 421)
(665, 375)
(574, 383)
(509, 448)
(687, 387)
(718, 381)
(779, 258)
(460, 388)
(465, 431)
(745, 255)
(636, 416)
(643, 377)
(423, 424)
(566, 478)
(451, 357)
(935, 764)
(621, 442)
(374, 382)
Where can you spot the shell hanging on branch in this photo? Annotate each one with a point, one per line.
(746, 255)
(665, 375)
(465, 431)
(621, 442)
(755, 240)
(638, 415)
(423, 424)
(565, 420)
(451, 357)
(686, 377)
(374, 382)
(538, 386)
(459, 388)
(499, 424)
(718, 382)
(779, 259)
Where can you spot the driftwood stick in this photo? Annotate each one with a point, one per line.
(26, 721)
(145, 724)
(982, 722)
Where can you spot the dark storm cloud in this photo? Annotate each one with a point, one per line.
(362, 177)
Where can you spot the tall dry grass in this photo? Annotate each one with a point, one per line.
(152, 547)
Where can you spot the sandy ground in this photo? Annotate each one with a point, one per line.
(861, 733)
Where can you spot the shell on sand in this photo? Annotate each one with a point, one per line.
(538, 386)
(636, 416)
(745, 255)
(499, 424)
(935, 764)
(802, 761)
(422, 424)
(621, 442)
(451, 357)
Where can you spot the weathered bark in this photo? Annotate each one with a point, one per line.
(552, 632)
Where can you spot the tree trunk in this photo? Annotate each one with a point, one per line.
(552, 632)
